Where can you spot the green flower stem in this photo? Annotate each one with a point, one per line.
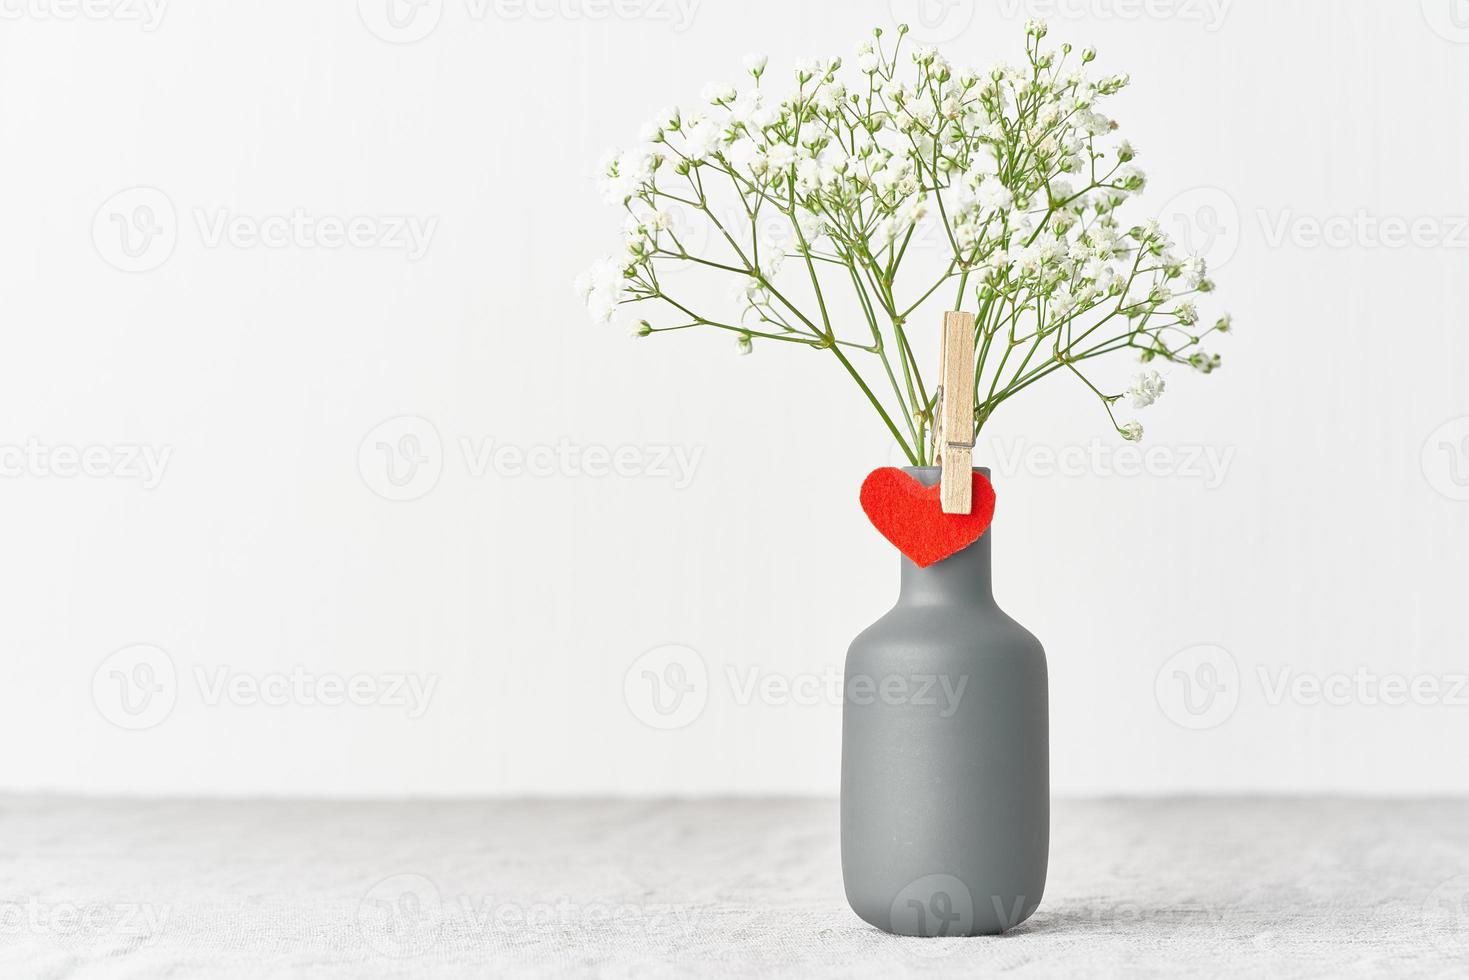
(887, 420)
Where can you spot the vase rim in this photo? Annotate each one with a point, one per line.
(928, 470)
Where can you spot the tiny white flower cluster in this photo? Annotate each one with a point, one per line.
(1146, 389)
(1013, 162)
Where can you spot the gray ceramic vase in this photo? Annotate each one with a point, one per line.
(945, 758)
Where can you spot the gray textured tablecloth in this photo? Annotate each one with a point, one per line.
(1294, 888)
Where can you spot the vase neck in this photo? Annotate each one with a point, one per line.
(962, 577)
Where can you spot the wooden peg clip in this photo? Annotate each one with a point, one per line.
(954, 430)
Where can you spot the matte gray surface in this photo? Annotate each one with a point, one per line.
(1168, 888)
(945, 766)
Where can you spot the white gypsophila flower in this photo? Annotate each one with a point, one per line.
(755, 64)
(1187, 313)
(918, 114)
(1194, 270)
(1026, 259)
(884, 234)
(602, 288)
(830, 97)
(1132, 431)
(966, 235)
(1154, 234)
(766, 115)
(702, 139)
(607, 163)
(1130, 177)
(1093, 123)
(1146, 389)
(744, 344)
(1204, 363)
(995, 196)
(754, 291)
(771, 259)
(894, 227)
(636, 247)
(626, 173)
(718, 93)
(743, 153)
(808, 176)
(895, 176)
(610, 180)
(781, 156)
(812, 226)
(745, 105)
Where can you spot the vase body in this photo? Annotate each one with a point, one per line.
(945, 757)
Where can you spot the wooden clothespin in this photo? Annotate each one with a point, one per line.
(954, 428)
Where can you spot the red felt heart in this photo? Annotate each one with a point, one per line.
(910, 516)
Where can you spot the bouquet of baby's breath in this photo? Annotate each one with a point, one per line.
(995, 191)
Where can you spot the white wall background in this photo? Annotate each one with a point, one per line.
(1327, 539)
